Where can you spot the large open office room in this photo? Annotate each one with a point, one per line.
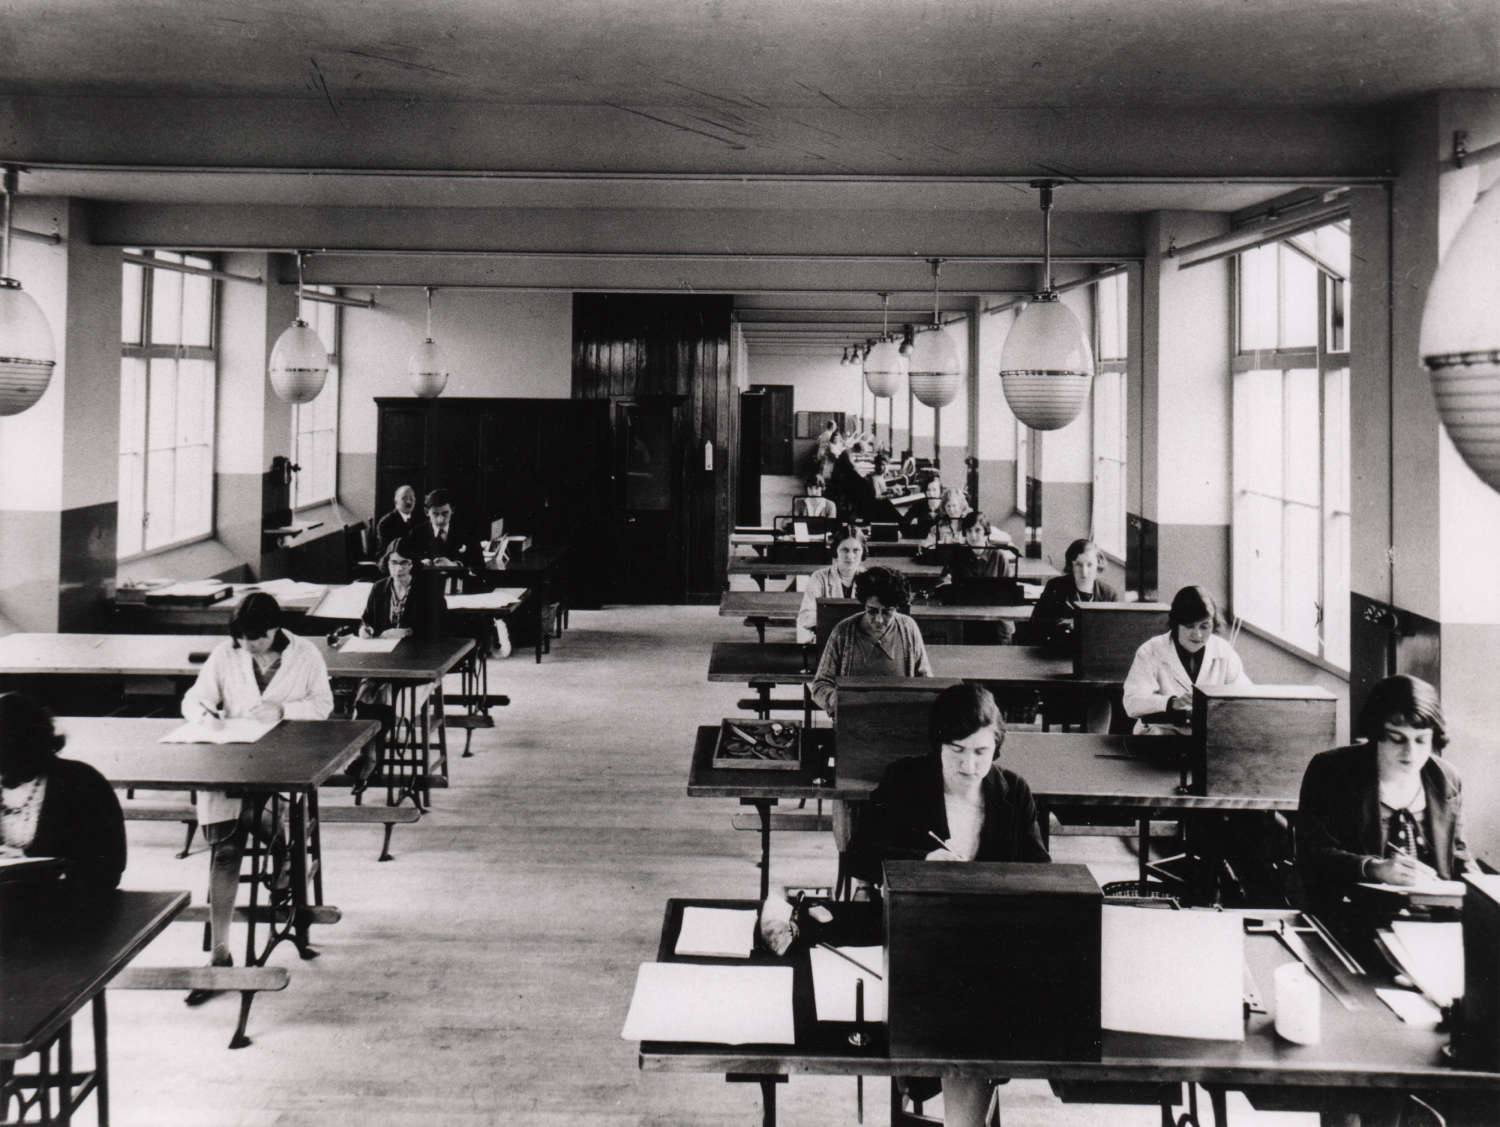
(654, 247)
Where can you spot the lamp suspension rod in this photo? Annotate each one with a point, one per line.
(12, 180)
(183, 268)
(299, 285)
(885, 315)
(429, 290)
(1046, 189)
(937, 267)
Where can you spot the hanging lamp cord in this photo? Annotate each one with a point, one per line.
(429, 314)
(1046, 191)
(11, 180)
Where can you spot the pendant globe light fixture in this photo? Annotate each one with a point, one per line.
(884, 364)
(26, 353)
(299, 363)
(933, 364)
(429, 375)
(1460, 339)
(1046, 364)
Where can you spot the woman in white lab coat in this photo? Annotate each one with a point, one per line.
(1159, 686)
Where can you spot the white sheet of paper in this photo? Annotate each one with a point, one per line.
(347, 601)
(498, 599)
(834, 979)
(242, 730)
(724, 933)
(800, 533)
(1434, 956)
(744, 1005)
(1430, 887)
(1410, 1007)
(1175, 974)
(369, 645)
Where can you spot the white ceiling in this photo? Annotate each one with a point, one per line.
(649, 109)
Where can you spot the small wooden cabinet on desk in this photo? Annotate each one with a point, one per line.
(1257, 739)
(542, 464)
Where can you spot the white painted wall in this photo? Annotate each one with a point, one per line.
(31, 443)
(819, 382)
(497, 344)
(997, 425)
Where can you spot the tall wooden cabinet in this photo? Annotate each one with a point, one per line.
(543, 464)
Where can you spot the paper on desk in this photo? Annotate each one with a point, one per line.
(742, 1005)
(1031, 591)
(287, 588)
(1410, 1007)
(500, 598)
(241, 730)
(1421, 888)
(1432, 955)
(369, 645)
(1175, 974)
(344, 602)
(834, 979)
(717, 933)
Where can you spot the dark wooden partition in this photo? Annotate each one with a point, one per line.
(1108, 634)
(542, 464)
(640, 348)
(1255, 740)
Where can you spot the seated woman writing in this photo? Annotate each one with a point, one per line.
(956, 803)
(55, 807)
(881, 640)
(1159, 687)
(1387, 809)
(266, 674)
(836, 581)
(1052, 617)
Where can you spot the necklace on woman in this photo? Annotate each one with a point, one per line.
(20, 807)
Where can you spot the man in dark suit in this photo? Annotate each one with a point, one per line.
(400, 520)
(440, 542)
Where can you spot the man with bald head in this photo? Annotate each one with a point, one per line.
(398, 522)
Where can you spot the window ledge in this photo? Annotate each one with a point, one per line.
(196, 560)
(1296, 651)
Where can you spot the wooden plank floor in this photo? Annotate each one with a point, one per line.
(482, 977)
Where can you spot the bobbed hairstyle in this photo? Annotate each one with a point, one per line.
(1078, 547)
(28, 741)
(1408, 701)
(258, 614)
(961, 710)
(1193, 604)
(437, 499)
(401, 546)
(971, 519)
(847, 532)
(882, 583)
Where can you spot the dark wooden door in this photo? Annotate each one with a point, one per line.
(775, 428)
(650, 548)
(403, 455)
(747, 503)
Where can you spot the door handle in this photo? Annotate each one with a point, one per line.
(630, 520)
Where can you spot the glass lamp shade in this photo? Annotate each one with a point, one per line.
(1460, 340)
(299, 365)
(26, 354)
(429, 375)
(1046, 365)
(884, 368)
(935, 369)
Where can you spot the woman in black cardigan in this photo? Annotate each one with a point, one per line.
(56, 807)
(404, 599)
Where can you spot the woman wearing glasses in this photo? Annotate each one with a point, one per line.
(880, 641)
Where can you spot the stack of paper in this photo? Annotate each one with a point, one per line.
(834, 983)
(1176, 974)
(1430, 954)
(344, 602)
(369, 645)
(238, 731)
(722, 933)
(744, 1005)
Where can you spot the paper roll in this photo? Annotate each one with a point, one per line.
(1299, 999)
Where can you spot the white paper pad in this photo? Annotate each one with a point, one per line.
(834, 979)
(343, 602)
(1031, 591)
(1432, 954)
(1175, 974)
(724, 933)
(501, 598)
(238, 731)
(284, 589)
(1424, 888)
(720, 1005)
(1410, 1007)
(369, 645)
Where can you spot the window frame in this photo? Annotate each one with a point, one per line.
(1328, 363)
(332, 383)
(1118, 369)
(146, 350)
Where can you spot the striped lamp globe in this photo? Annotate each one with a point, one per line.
(429, 375)
(935, 368)
(299, 365)
(1046, 365)
(26, 353)
(884, 368)
(1460, 339)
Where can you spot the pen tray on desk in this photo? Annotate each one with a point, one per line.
(759, 745)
